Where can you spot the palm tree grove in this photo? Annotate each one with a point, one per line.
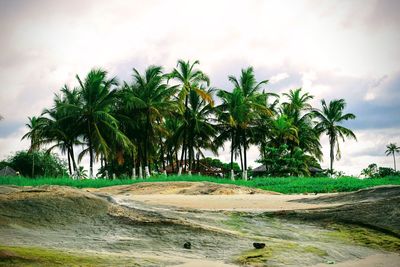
(161, 119)
(255, 133)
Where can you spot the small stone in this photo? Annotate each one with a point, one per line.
(258, 245)
(187, 245)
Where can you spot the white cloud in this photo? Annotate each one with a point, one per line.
(279, 77)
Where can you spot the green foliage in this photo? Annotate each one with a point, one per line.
(385, 172)
(216, 163)
(330, 119)
(373, 171)
(286, 185)
(282, 162)
(43, 164)
(152, 122)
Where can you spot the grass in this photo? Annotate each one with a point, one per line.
(34, 256)
(286, 185)
(365, 237)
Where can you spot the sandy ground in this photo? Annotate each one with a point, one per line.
(378, 260)
(210, 196)
(242, 202)
(183, 204)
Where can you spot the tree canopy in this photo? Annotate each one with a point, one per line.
(168, 120)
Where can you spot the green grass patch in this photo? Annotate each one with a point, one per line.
(34, 256)
(278, 252)
(286, 185)
(364, 237)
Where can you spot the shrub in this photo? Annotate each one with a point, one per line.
(37, 163)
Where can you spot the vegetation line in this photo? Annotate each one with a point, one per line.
(286, 185)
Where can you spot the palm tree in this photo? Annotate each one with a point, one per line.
(250, 103)
(35, 135)
(189, 79)
(299, 111)
(59, 128)
(149, 100)
(392, 149)
(201, 131)
(283, 131)
(93, 114)
(330, 118)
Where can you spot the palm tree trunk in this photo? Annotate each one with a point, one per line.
(185, 160)
(91, 160)
(147, 142)
(73, 158)
(241, 157)
(90, 151)
(69, 161)
(33, 164)
(198, 161)
(182, 155)
(190, 155)
(394, 161)
(176, 160)
(332, 144)
(244, 150)
(232, 151)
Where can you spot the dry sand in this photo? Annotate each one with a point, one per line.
(210, 196)
(377, 260)
(255, 202)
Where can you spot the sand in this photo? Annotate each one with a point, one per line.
(211, 196)
(255, 202)
(150, 221)
(377, 260)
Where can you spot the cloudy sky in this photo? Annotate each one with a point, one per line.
(332, 49)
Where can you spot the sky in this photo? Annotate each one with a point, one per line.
(332, 49)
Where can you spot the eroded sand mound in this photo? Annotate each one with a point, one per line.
(182, 188)
(61, 205)
(376, 207)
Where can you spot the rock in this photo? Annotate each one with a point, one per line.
(187, 245)
(258, 245)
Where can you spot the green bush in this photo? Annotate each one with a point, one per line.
(37, 163)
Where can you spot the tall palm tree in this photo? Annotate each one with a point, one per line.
(59, 128)
(189, 79)
(93, 114)
(149, 100)
(392, 149)
(201, 131)
(35, 135)
(252, 102)
(299, 111)
(330, 118)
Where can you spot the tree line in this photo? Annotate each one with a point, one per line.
(162, 119)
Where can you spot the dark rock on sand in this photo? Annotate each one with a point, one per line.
(258, 245)
(187, 245)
